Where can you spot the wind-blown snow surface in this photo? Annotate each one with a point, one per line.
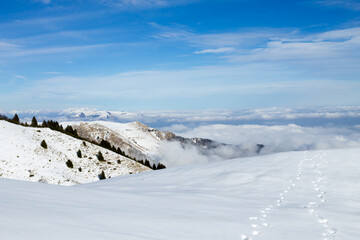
(23, 158)
(294, 195)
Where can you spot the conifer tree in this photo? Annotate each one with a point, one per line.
(100, 157)
(34, 122)
(161, 166)
(16, 119)
(102, 176)
(43, 144)
(69, 164)
(79, 154)
(69, 130)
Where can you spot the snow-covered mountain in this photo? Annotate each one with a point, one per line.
(293, 195)
(143, 142)
(23, 158)
(135, 139)
(347, 115)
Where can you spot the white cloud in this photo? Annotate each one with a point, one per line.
(324, 54)
(144, 4)
(208, 87)
(243, 83)
(44, 1)
(26, 51)
(279, 138)
(348, 4)
(52, 73)
(217, 50)
(5, 46)
(245, 38)
(173, 154)
(21, 77)
(337, 46)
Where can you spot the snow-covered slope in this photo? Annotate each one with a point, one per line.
(295, 195)
(136, 139)
(23, 158)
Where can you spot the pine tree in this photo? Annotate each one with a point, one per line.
(161, 166)
(34, 122)
(100, 157)
(69, 130)
(79, 154)
(16, 119)
(147, 163)
(69, 164)
(102, 176)
(43, 144)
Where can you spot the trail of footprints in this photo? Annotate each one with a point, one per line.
(329, 231)
(259, 222)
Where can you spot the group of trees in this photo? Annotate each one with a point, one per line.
(54, 125)
(154, 166)
(107, 145)
(15, 119)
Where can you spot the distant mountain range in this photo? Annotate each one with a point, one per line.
(348, 115)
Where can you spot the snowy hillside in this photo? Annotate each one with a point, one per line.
(23, 158)
(294, 195)
(136, 139)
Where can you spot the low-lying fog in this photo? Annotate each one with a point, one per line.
(278, 138)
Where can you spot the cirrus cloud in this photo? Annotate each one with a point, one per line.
(217, 50)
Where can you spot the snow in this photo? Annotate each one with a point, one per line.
(293, 195)
(23, 158)
(134, 133)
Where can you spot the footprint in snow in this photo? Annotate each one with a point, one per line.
(244, 237)
(323, 220)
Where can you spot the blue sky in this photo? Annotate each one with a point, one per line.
(179, 54)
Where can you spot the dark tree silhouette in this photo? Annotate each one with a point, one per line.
(69, 164)
(102, 176)
(100, 157)
(16, 119)
(79, 154)
(43, 144)
(34, 122)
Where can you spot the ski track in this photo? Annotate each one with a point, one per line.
(260, 221)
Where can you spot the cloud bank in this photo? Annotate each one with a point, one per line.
(181, 121)
(275, 138)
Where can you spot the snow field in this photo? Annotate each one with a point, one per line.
(294, 195)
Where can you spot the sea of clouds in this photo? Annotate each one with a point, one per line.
(278, 129)
(244, 138)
